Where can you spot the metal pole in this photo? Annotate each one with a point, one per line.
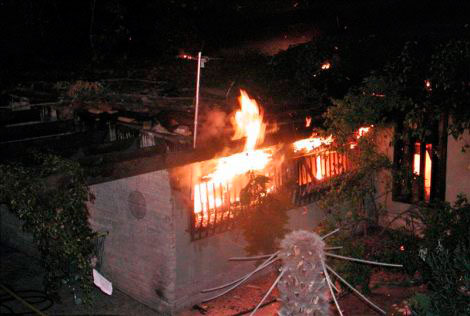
(197, 97)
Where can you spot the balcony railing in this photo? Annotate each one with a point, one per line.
(216, 207)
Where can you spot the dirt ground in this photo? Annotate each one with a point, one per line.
(386, 292)
(20, 272)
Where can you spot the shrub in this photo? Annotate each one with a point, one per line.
(263, 217)
(445, 257)
(400, 247)
(48, 194)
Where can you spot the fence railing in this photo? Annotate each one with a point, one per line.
(314, 169)
(216, 207)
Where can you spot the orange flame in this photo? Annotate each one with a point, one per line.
(362, 131)
(326, 65)
(309, 144)
(308, 121)
(248, 123)
(318, 175)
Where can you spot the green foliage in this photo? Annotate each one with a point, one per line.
(48, 194)
(421, 304)
(397, 93)
(417, 87)
(372, 104)
(350, 198)
(449, 284)
(441, 255)
(400, 247)
(264, 216)
(450, 77)
(449, 280)
(445, 255)
(445, 224)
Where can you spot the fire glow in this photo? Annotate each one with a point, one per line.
(327, 163)
(218, 186)
(309, 144)
(427, 167)
(219, 182)
(308, 121)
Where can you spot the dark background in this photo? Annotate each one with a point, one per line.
(41, 33)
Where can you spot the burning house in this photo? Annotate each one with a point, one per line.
(172, 218)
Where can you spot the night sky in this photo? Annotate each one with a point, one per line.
(44, 32)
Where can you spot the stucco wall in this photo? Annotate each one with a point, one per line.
(458, 167)
(457, 173)
(384, 179)
(151, 257)
(204, 264)
(139, 252)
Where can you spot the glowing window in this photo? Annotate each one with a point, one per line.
(420, 167)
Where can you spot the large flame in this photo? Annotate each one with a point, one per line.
(248, 123)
